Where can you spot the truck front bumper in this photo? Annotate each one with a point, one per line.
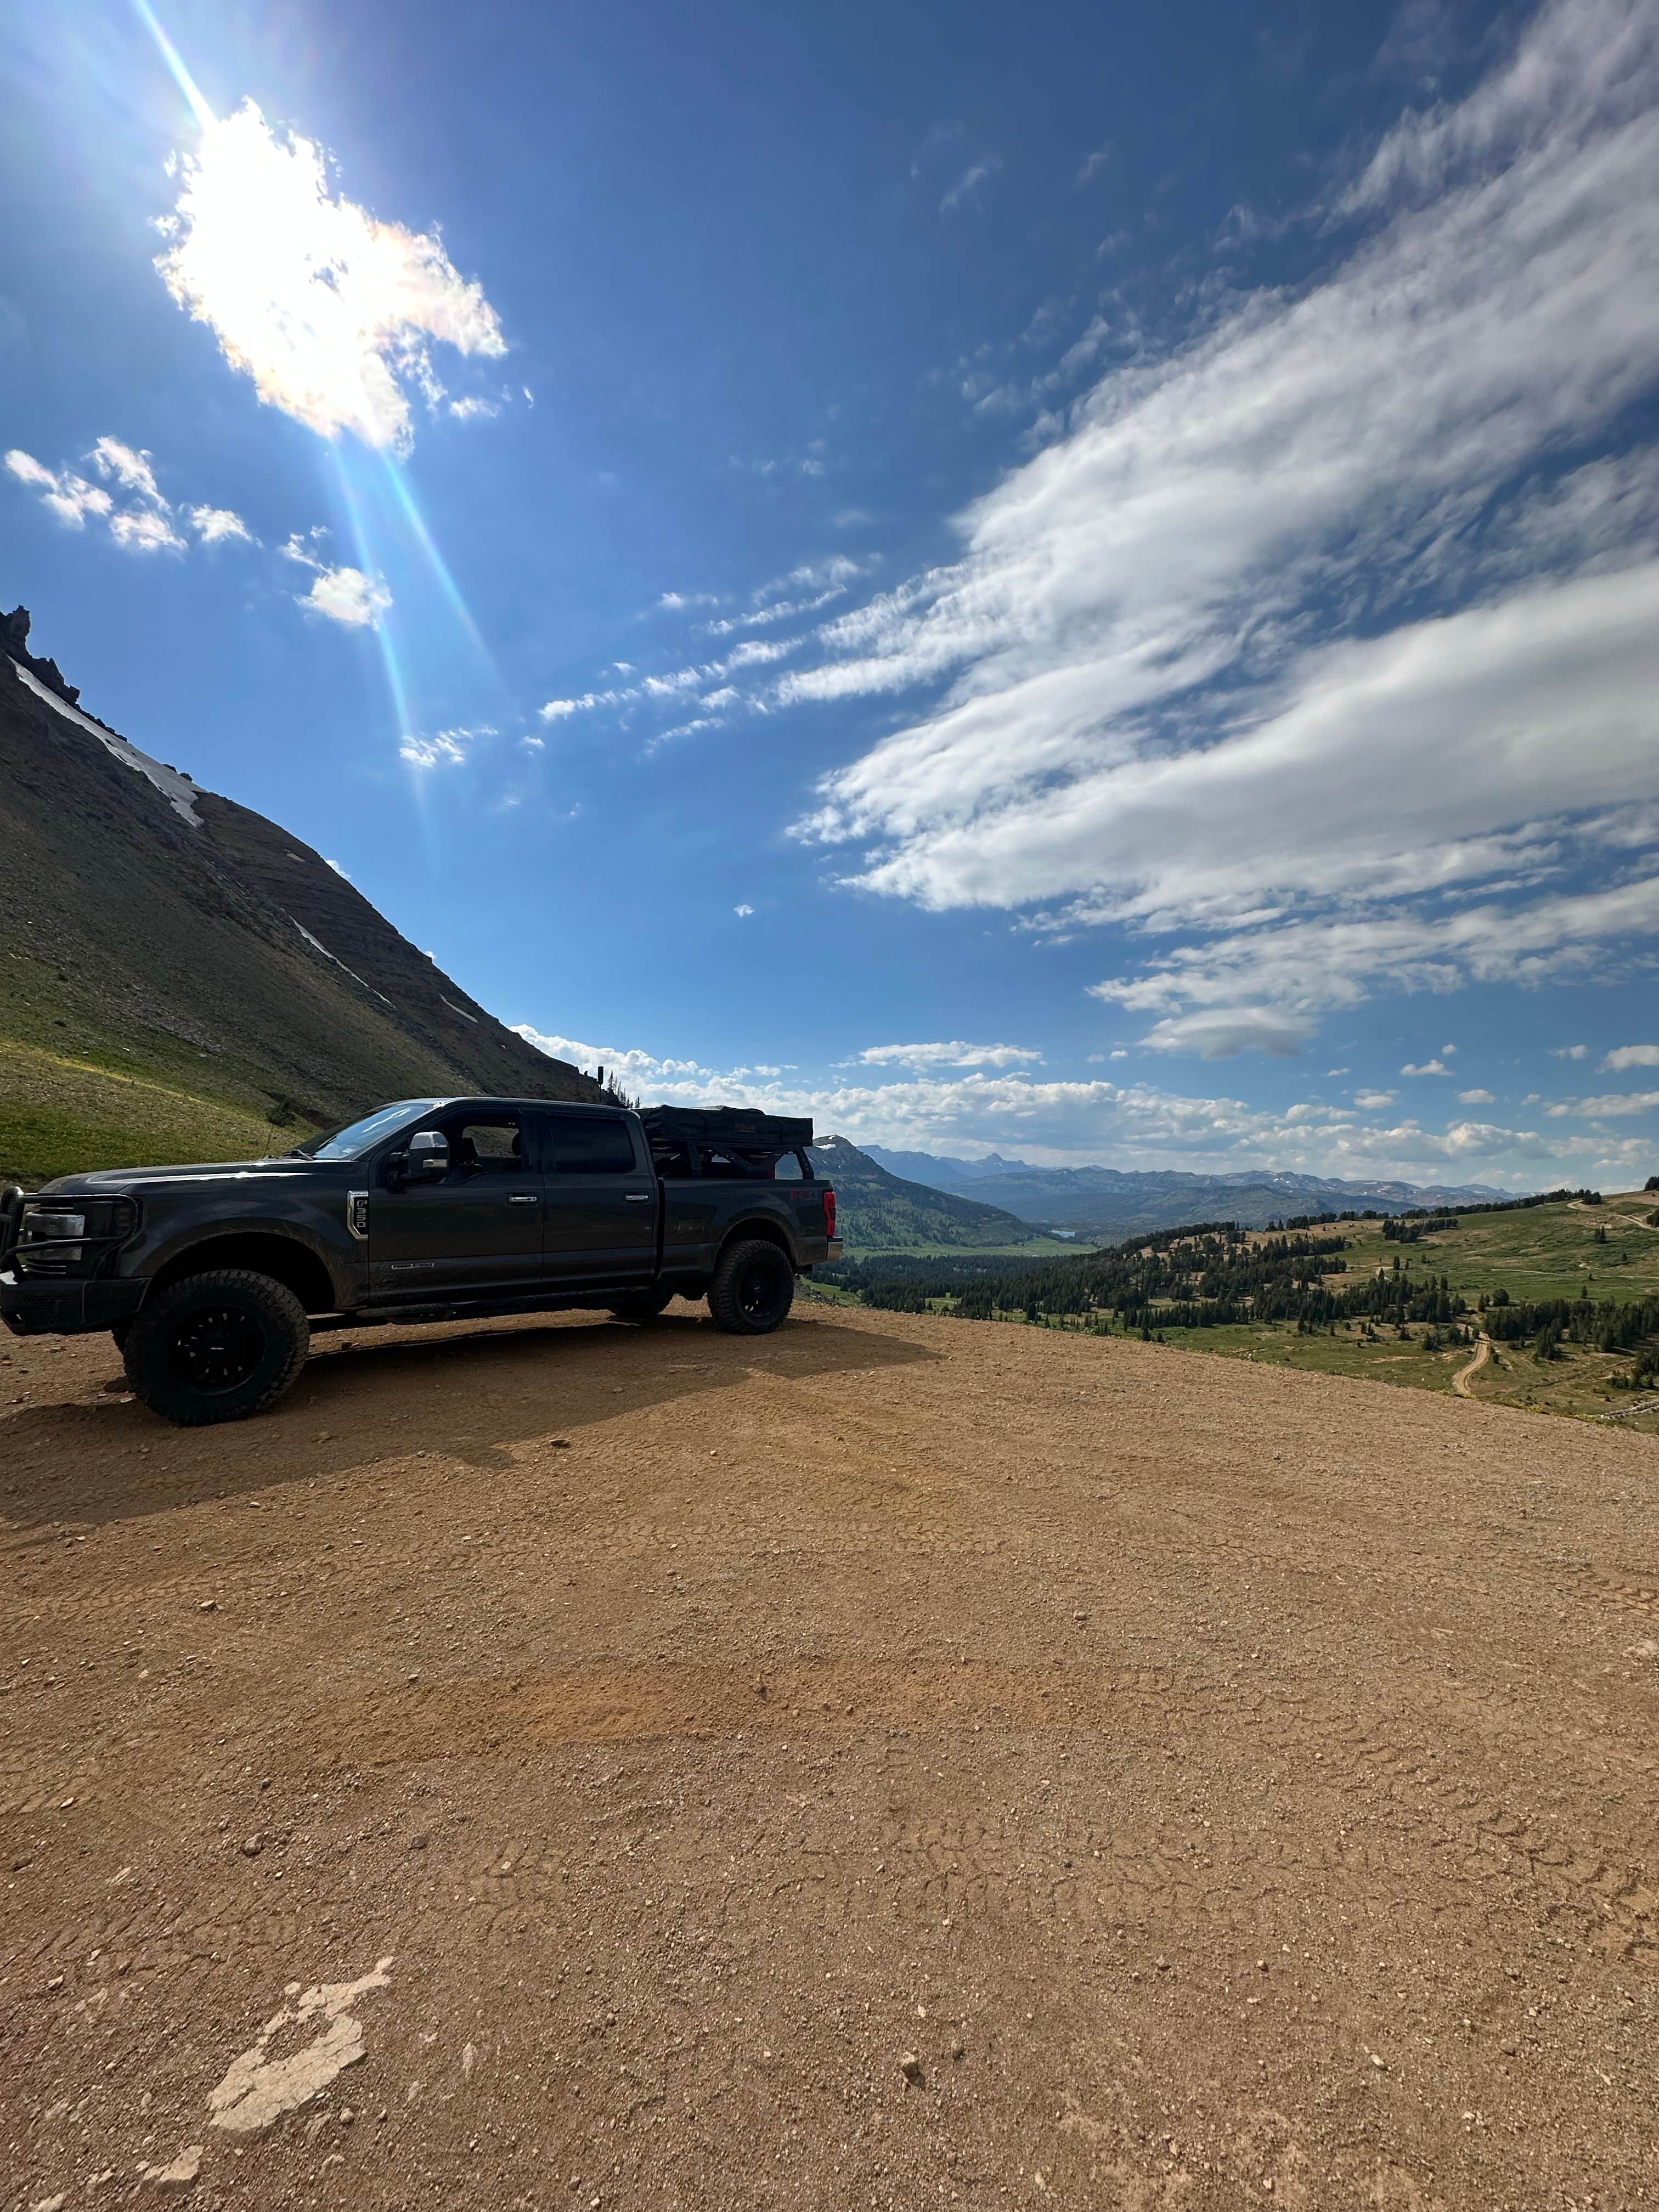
(66, 1306)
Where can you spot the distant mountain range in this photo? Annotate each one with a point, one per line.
(1108, 1203)
(879, 1211)
(170, 961)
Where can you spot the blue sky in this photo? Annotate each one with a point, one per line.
(1075, 583)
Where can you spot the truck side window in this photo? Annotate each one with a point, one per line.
(593, 1144)
(480, 1146)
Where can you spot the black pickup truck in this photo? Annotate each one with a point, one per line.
(212, 1279)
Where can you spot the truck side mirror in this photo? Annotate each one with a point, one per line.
(429, 1155)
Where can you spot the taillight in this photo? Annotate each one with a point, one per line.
(830, 1212)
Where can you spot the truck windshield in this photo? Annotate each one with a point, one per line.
(357, 1138)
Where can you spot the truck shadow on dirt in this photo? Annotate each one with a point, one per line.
(465, 1392)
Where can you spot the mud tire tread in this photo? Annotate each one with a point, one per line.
(288, 1330)
(723, 1291)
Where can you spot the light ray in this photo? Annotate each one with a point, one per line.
(181, 76)
(452, 591)
(383, 636)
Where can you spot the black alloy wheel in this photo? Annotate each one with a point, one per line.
(753, 1289)
(215, 1346)
(216, 1349)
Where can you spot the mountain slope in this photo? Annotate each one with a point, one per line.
(162, 949)
(1111, 1204)
(878, 1211)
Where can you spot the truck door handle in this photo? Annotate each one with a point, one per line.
(637, 1197)
(523, 1197)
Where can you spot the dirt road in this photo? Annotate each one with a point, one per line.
(1462, 1379)
(897, 1762)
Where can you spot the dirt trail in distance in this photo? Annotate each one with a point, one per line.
(899, 1761)
(1462, 1379)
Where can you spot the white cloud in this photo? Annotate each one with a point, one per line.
(331, 311)
(966, 186)
(1221, 1032)
(149, 525)
(474, 410)
(1304, 967)
(71, 498)
(953, 1054)
(1134, 1125)
(743, 912)
(1624, 1056)
(1092, 165)
(145, 529)
(1182, 689)
(1476, 1098)
(1569, 1052)
(119, 463)
(443, 748)
(1610, 1103)
(1371, 1100)
(218, 525)
(347, 596)
(1428, 1067)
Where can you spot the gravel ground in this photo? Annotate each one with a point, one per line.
(899, 1761)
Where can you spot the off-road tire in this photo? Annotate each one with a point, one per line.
(753, 1289)
(217, 1346)
(646, 1305)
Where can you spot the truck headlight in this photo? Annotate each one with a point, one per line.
(39, 1223)
(59, 1237)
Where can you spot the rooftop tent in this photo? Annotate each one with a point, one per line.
(723, 1140)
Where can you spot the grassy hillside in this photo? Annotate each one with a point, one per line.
(881, 1212)
(1317, 1288)
(58, 1115)
(182, 983)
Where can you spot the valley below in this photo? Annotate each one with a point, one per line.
(895, 1761)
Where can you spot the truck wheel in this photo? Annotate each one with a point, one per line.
(753, 1289)
(216, 1348)
(645, 1306)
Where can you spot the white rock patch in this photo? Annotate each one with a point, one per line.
(257, 2089)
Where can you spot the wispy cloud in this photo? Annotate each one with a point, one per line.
(968, 184)
(218, 525)
(1610, 1103)
(145, 529)
(330, 311)
(955, 1054)
(1320, 607)
(119, 463)
(443, 748)
(70, 497)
